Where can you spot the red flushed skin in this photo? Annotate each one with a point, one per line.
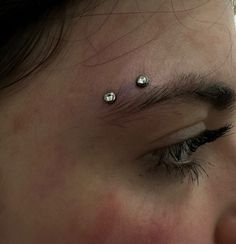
(114, 225)
(118, 217)
(106, 220)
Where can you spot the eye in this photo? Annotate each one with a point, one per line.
(178, 159)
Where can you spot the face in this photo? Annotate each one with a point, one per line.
(75, 169)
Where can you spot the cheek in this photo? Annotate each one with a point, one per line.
(115, 224)
(112, 220)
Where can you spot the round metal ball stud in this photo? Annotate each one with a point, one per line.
(110, 97)
(142, 81)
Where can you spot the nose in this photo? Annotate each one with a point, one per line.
(226, 227)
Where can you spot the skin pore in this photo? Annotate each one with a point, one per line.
(70, 176)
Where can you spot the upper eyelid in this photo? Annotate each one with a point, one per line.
(214, 134)
(156, 149)
(224, 131)
(180, 135)
(164, 156)
(210, 136)
(181, 161)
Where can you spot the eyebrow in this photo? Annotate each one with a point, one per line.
(189, 88)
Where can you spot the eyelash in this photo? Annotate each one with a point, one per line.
(176, 158)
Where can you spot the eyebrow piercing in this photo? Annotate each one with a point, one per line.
(110, 97)
(142, 81)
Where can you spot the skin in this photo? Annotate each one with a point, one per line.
(68, 176)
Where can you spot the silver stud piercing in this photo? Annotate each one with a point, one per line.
(110, 97)
(142, 81)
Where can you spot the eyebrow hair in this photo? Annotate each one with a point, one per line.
(189, 87)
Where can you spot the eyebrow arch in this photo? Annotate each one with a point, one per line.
(190, 87)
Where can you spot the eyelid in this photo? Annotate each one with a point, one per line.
(181, 135)
(179, 160)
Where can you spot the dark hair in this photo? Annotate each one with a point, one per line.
(23, 23)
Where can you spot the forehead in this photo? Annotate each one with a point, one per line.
(117, 37)
(115, 41)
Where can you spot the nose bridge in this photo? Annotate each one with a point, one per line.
(226, 227)
(225, 230)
